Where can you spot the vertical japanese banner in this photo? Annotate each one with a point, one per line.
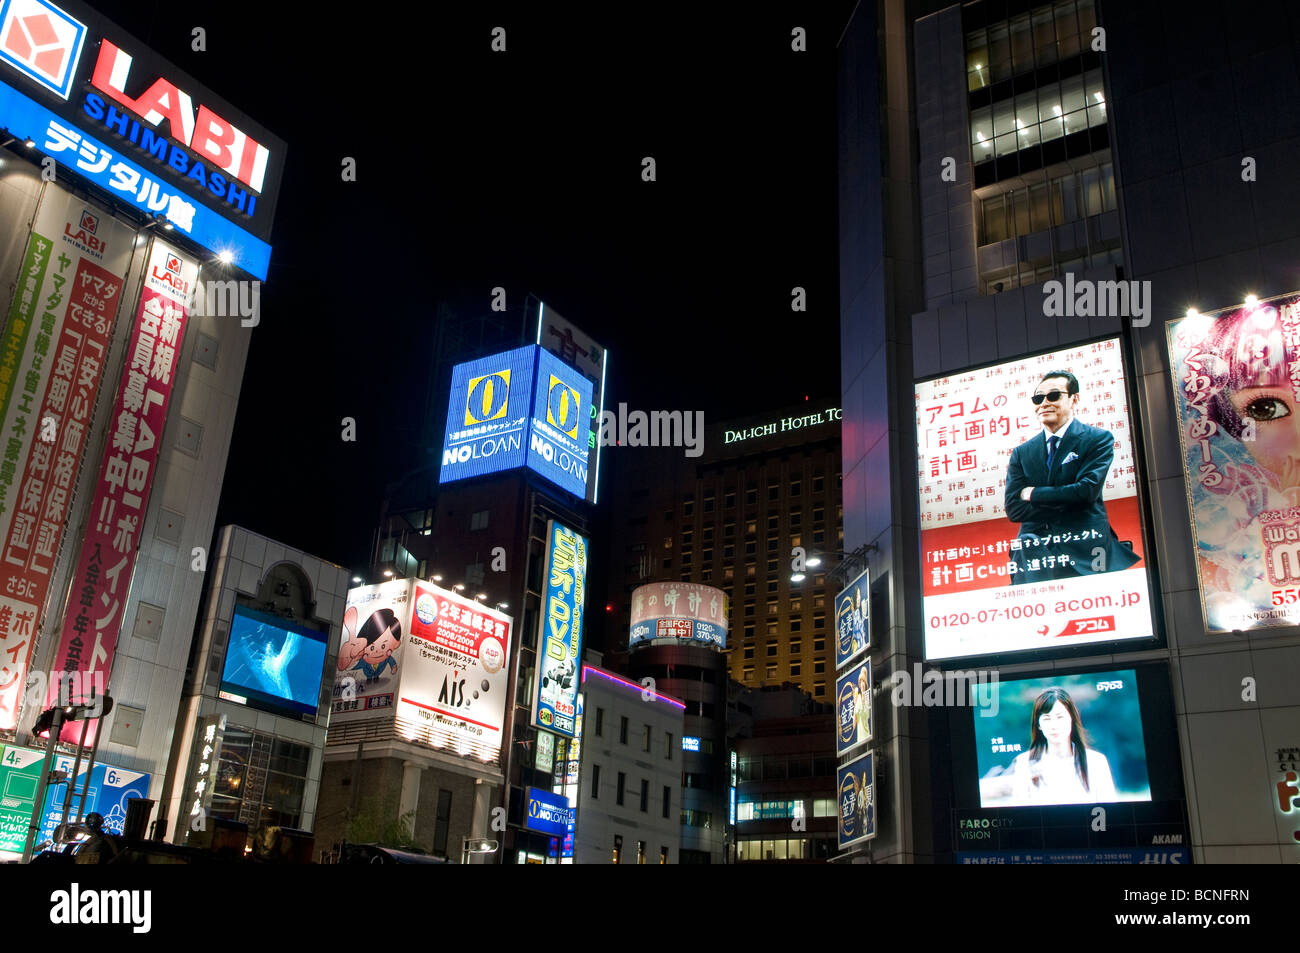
(559, 647)
(99, 586)
(51, 355)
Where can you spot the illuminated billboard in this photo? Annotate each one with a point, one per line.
(488, 415)
(565, 339)
(853, 708)
(524, 407)
(560, 424)
(856, 786)
(1030, 543)
(686, 611)
(1237, 388)
(853, 620)
(273, 664)
(111, 112)
(428, 659)
(1064, 739)
(559, 644)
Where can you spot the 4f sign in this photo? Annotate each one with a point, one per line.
(487, 398)
(41, 42)
(563, 407)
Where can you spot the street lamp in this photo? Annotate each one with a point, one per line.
(813, 560)
(476, 845)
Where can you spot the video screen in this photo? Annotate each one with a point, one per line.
(273, 663)
(1031, 532)
(1064, 739)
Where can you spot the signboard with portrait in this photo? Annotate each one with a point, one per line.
(1236, 388)
(856, 785)
(1031, 529)
(853, 708)
(853, 620)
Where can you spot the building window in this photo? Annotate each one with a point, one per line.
(819, 645)
(796, 605)
(796, 646)
(819, 666)
(771, 649)
(708, 503)
(646, 743)
(663, 852)
(749, 608)
(774, 492)
(796, 516)
(729, 498)
(771, 587)
(772, 521)
(819, 621)
(819, 484)
(729, 528)
(771, 608)
(640, 851)
(747, 674)
(751, 494)
(443, 823)
(479, 520)
(668, 744)
(749, 651)
(617, 856)
(622, 730)
(749, 630)
(645, 795)
(819, 689)
(795, 625)
(749, 589)
(622, 781)
(688, 508)
(795, 668)
(600, 721)
(796, 487)
(771, 671)
(668, 796)
(595, 782)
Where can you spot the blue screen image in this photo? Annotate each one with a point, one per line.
(274, 662)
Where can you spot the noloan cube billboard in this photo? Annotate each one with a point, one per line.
(524, 407)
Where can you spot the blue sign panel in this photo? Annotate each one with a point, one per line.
(856, 784)
(546, 813)
(558, 441)
(559, 645)
(487, 415)
(853, 620)
(126, 181)
(110, 789)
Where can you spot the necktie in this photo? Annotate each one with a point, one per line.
(1051, 450)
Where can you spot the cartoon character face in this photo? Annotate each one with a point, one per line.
(381, 648)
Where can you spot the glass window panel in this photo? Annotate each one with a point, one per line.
(1039, 208)
(993, 216)
(1091, 186)
(1004, 117)
(1027, 119)
(1022, 44)
(1108, 188)
(1044, 36)
(1087, 20)
(977, 60)
(1020, 211)
(779, 849)
(999, 53)
(1056, 199)
(1005, 145)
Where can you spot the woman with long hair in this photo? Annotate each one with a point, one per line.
(1059, 767)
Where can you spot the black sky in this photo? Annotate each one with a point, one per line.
(523, 170)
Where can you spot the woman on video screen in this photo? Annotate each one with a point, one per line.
(1059, 767)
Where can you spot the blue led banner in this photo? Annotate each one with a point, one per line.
(487, 415)
(559, 646)
(546, 813)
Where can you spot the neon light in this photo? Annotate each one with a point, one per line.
(604, 359)
(632, 685)
(540, 307)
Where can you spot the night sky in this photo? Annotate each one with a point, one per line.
(522, 169)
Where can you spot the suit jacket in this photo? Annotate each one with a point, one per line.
(1066, 502)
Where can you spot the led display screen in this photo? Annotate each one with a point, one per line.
(488, 415)
(1064, 739)
(273, 663)
(561, 423)
(1030, 543)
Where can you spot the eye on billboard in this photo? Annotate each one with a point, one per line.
(1030, 543)
(487, 415)
(1237, 387)
(560, 424)
(559, 645)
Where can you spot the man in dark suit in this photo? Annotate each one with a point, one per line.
(1054, 484)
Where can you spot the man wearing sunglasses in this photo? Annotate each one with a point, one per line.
(1054, 485)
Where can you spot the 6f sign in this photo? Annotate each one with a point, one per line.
(488, 397)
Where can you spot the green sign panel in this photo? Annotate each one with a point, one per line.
(20, 775)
